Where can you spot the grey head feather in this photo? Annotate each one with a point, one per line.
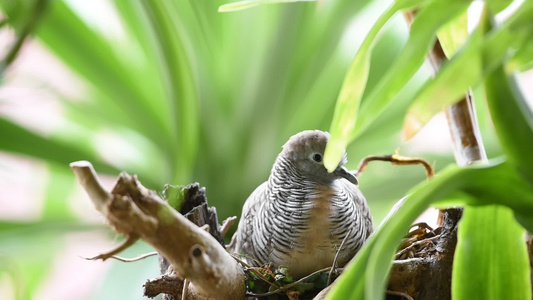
(300, 151)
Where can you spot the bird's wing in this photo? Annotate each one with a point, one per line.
(242, 239)
(355, 195)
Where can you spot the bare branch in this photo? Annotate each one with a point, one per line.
(396, 159)
(227, 224)
(130, 241)
(334, 265)
(138, 258)
(88, 180)
(133, 210)
(168, 284)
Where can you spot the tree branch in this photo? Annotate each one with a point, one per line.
(168, 284)
(133, 210)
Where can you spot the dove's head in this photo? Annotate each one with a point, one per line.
(305, 151)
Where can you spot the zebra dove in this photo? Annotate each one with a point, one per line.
(300, 216)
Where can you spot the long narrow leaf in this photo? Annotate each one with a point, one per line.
(372, 263)
(180, 85)
(19, 140)
(136, 21)
(513, 120)
(454, 34)
(89, 54)
(423, 31)
(353, 87)
(447, 88)
(496, 6)
(28, 251)
(60, 185)
(477, 59)
(240, 5)
(451, 37)
(351, 92)
(491, 260)
(522, 60)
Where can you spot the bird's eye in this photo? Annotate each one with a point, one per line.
(317, 157)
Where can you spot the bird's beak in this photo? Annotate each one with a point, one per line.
(341, 171)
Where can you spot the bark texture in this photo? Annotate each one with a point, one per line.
(194, 254)
(196, 209)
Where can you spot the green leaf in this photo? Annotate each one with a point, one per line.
(139, 29)
(175, 195)
(60, 185)
(448, 87)
(91, 56)
(19, 140)
(491, 259)
(422, 37)
(31, 19)
(28, 250)
(512, 118)
(27, 269)
(353, 87)
(181, 88)
(366, 275)
(351, 92)
(19, 12)
(240, 5)
(496, 6)
(451, 37)
(522, 59)
(13, 229)
(454, 34)
(476, 59)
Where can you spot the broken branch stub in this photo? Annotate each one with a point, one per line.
(131, 209)
(168, 284)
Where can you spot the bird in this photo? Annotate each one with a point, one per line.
(299, 217)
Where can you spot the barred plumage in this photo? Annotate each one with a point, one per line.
(299, 217)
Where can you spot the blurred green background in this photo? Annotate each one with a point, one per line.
(177, 93)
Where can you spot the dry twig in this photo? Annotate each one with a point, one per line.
(334, 265)
(138, 258)
(227, 224)
(290, 285)
(396, 159)
(130, 241)
(169, 284)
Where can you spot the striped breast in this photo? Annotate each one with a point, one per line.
(301, 224)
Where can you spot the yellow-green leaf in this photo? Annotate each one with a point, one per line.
(454, 34)
(353, 87)
(240, 5)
